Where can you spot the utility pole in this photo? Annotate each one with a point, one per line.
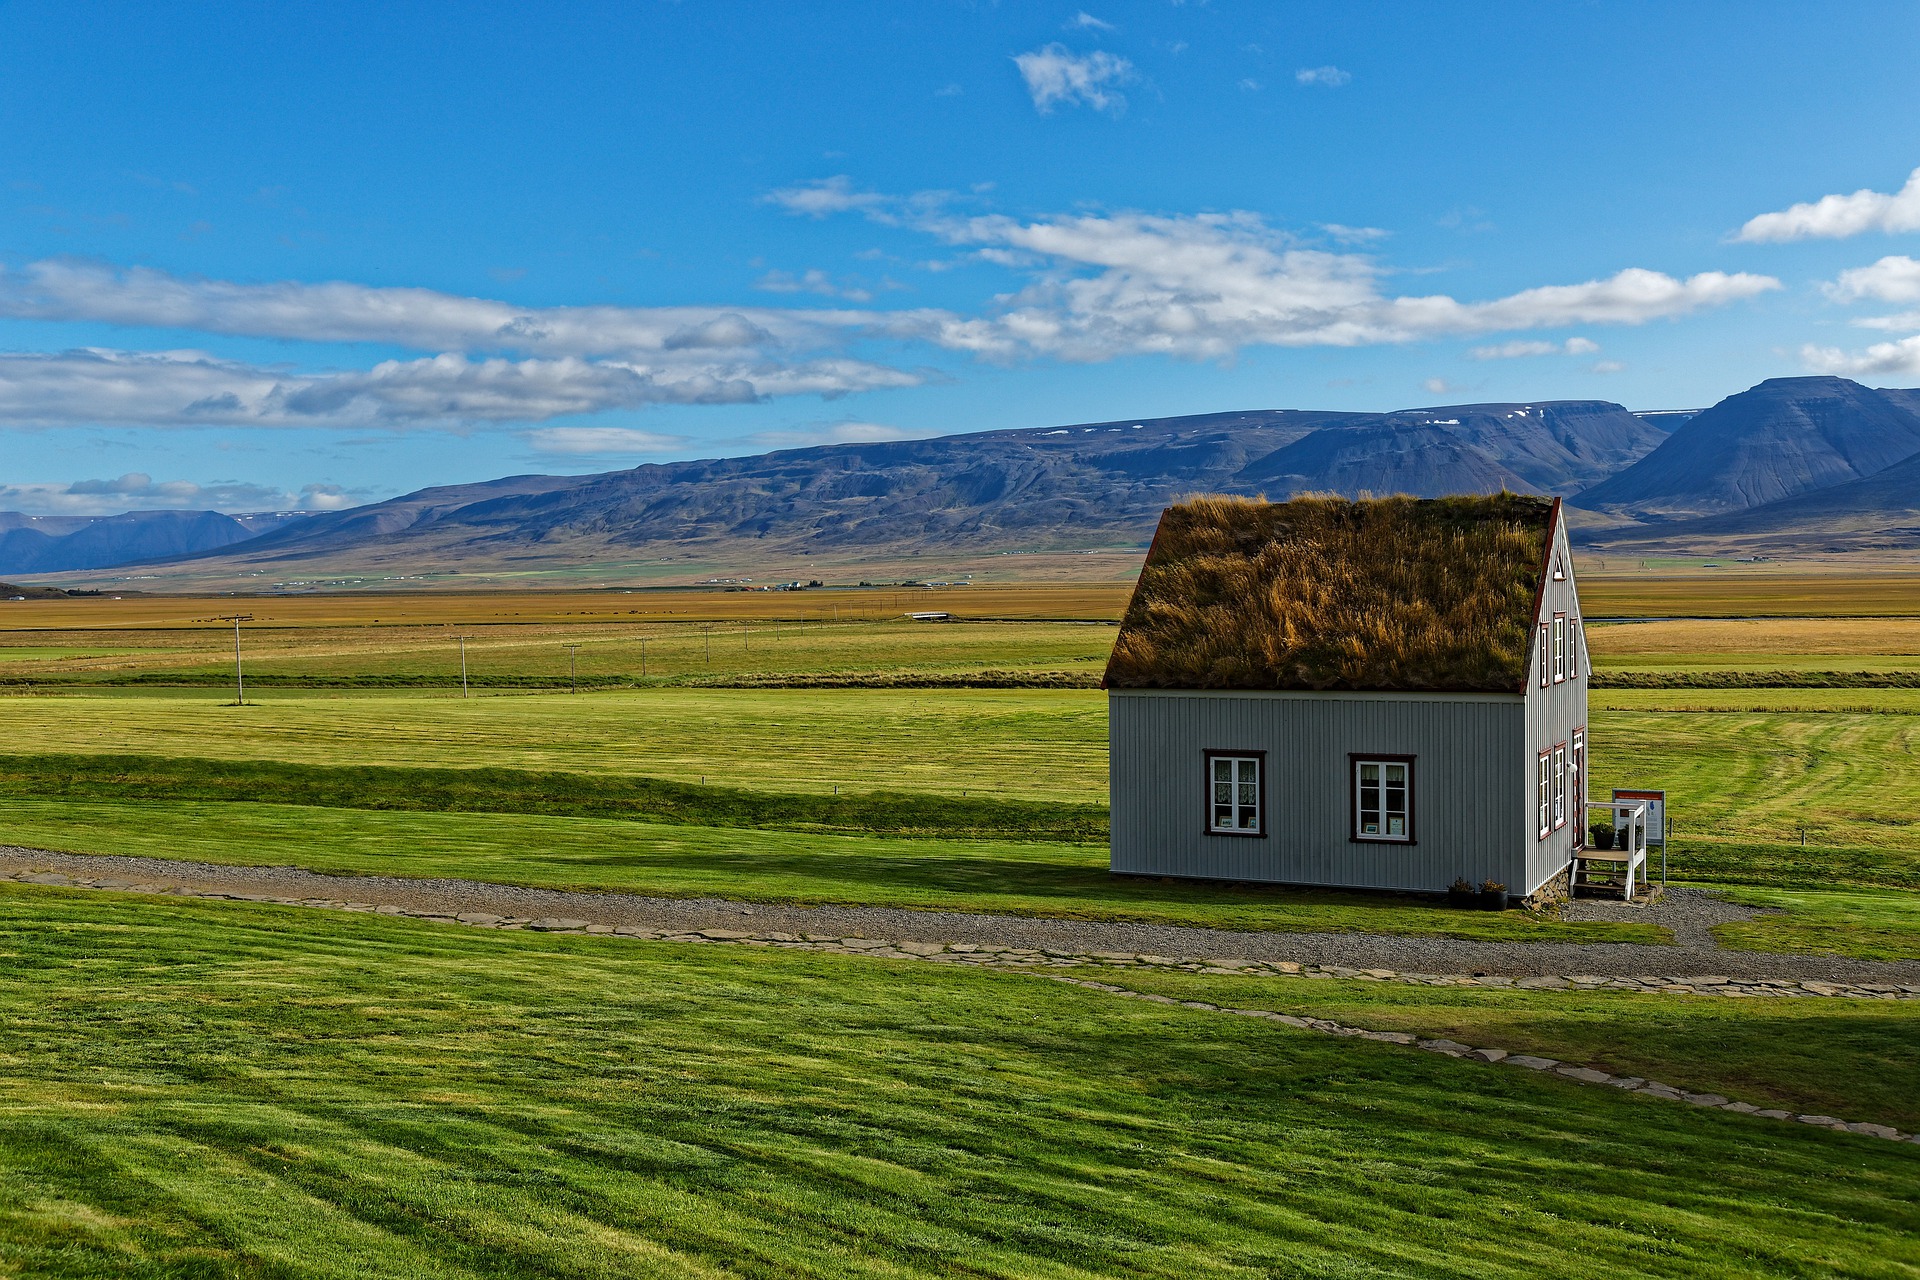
(573, 674)
(643, 657)
(463, 664)
(239, 679)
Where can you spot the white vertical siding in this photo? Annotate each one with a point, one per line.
(1470, 795)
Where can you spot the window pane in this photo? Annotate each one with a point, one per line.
(1223, 793)
(1222, 770)
(1249, 771)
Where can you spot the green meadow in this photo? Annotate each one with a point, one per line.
(200, 1089)
(209, 1090)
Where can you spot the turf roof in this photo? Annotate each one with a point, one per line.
(1325, 593)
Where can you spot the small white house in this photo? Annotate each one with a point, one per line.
(1382, 694)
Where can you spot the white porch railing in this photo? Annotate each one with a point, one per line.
(1629, 852)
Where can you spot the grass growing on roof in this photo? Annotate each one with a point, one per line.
(202, 1089)
(1325, 593)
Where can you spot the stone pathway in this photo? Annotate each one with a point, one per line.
(1034, 960)
(1702, 968)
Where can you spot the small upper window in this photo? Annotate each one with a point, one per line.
(1559, 568)
(1233, 794)
(1383, 800)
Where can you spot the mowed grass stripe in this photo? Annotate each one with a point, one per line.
(175, 778)
(1036, 744)
(240, 1089)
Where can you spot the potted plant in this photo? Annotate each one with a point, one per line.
(1492, 895)
(1461, 893)
(1600, 835)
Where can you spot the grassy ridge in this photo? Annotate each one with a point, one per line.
(211, 1090)
(494, 790)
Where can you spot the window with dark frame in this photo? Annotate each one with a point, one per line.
(1559, 647)
(1544, 794)
(1234, 794)
(1383, 799)
(1560, 786)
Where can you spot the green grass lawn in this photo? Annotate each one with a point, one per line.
(198, 1089)
(623, 651)
(1852, 1058)
(1033, 744)
(1018, 877)
(1868, 924)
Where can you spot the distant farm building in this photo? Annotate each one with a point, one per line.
(1384, 694)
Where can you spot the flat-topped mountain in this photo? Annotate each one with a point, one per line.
(1058, 488)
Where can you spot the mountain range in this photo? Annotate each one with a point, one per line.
(52, 544)
(1792, 464)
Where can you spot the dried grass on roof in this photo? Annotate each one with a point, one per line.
(1326, 593)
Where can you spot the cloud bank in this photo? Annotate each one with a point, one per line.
(137, 491)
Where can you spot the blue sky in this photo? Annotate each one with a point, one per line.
(270, 255)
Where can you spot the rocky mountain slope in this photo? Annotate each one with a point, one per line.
(1785, 437)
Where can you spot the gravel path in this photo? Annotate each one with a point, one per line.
(1690, 913)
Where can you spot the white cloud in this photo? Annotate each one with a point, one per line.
(1207, 285)
(836, 433)
(601, 440)
(1607, 366)
(419, 319)
(1437, 386)
(191, 388)
(1521, 348)
(1899, 322)
(1836, 217)
(137, 491)
(824, 196)
(813, 280)
(1355, 235)
(1325, 77)
(1084, 21)
(1895, 278)
(1055, 75)
(1901, 357)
